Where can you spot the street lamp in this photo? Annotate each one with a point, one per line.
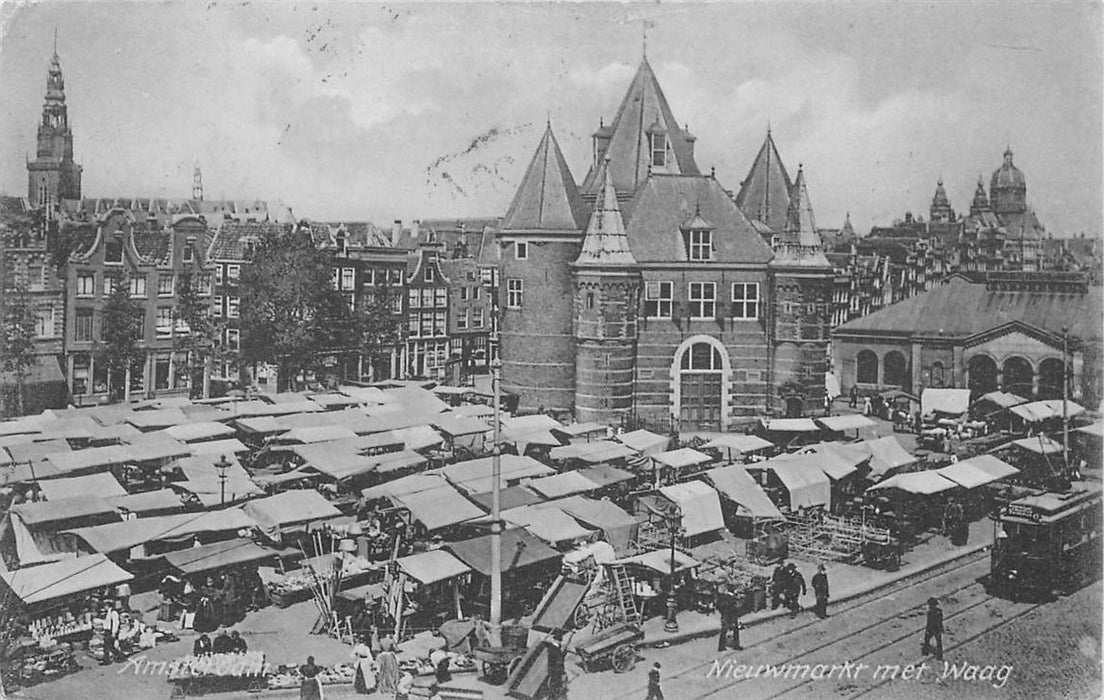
(674, 526)
(222, 465)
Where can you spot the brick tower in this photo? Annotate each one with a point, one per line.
(53, 176)
(607, 284)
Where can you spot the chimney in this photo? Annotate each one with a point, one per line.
(415, 228)
(396, 231)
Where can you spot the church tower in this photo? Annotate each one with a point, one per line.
(606, 290)
(53, 176)
(941, 211)
(538, 240)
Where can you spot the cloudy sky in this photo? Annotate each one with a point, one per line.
(370, 111)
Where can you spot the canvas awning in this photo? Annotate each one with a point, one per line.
(700, 506)
(604, 475)
(202, 430)
(997, 468)
(1003, 399)
(659, 560)
(547, 522)
(317, 433)
(417, 400)
(1096, 429)
(403, 485)
(886, 454)
(576, 430)
(37, 584)
(645, 442)
(262, 425)
(682, 458)
(923, 483)
(19, 472)
(806, 482)
(618, 527)
(148, 448)
(593, 452)
(417, 437)
(40, 513)
(790, 425)
(335, 460)
(219, 447)
(564, 484)
(1038, 411)
(89, 459)
(743, 444)
(737, 485)
(148, 501)
(115, 537)
(509, 497)
(456, 426)
(37, 451)
(104, 485)
(475, 410)
(438, 508)
(845, 422)
(1039, 444)
(432, 566)
(952, 402)
(475, 476)
(520, 549)
(157, 418)
(370, 591)
(208, 557)
(966, 475)
(290, 509)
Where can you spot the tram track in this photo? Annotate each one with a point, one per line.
(928, 578)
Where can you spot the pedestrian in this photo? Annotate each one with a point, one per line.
(112, 624)
(654, 691)
(933, 630)
(237, 643)
(202, 646)
(222, 644)
(557, 688)
(867, 406)
(388, 666)
(779, 584)
(310, 688)
(795, 590)
(820, 589)
(364, 680)
(723, 604)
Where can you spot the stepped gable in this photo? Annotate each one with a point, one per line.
(643, 110)
(655, 216)
(764, 194)
(547, 199)
(605, 241)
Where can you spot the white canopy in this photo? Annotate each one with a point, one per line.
(700, 505)
(645, 442)
(953, 402)
(923, 483)
(682, 457)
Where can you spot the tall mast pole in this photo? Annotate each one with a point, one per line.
(1065, 398)
(496, 512)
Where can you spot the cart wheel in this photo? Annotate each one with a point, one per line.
(624, 658)
(582, 617)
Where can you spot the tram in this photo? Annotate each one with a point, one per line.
(1047, 543)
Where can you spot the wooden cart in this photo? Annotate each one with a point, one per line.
(615, 646)
(498, 662)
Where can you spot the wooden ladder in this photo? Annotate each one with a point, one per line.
(623, 596)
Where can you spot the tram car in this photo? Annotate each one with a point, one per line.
(1047, 544)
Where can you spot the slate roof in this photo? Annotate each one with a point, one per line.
(800, 240)
(764, 194)
(547, 198)
(361, 234)
(665, 202)
(605, 242)
(643, 107)
(13, 205)
(227, 243)
(960, 308)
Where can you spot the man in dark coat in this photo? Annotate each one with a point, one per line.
(795, 589)
(820, 589)
(222, 644)
(654, 691)
(780, 583)
(933, 630)
(556, 688)
(723, 604)
(853, 397)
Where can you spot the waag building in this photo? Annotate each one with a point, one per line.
(649, 293)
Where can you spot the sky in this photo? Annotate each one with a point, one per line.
(368, 111)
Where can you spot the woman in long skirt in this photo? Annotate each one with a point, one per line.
(311, 687)
(365, 681)
(388, 663)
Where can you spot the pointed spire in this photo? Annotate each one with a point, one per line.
(55, 41)
(764, 194)
(800, 225)
(605, 242)
(547, 198)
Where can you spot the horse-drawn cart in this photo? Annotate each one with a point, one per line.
(615, 647)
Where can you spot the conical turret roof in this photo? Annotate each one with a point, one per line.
(800, 226)
(644, 108)
(765, 193)
(547, 199)
(605, 242)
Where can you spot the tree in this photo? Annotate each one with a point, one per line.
(290, 312)
(379, 328)
(18, 338)
(198, 340)
(121, 332)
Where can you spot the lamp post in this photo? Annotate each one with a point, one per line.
(674, 526)
(222, 465)
(496, 511)
(1065, 399)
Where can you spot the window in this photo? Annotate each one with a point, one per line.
(336, 281)
(412, 324)
(699, 244)
(659, 150)
(703, 299)
(36, 278)
(233, 338)
(745, 300)
(866, 367)
(462, 320)
(427, 298)
(219, 278)
(218, 306)
(369, 277)
(463, 294)
(86, 284)
(161, 365)
(440, 323)
(427, 274)
(231, 307)
(477, 318)
(414, 297)
(702, 357)
(233, 271)
(440, 297)
(81, 364)
(165, 285)
(657, 299)
(44, 323)
(590, 300)
(350, 299)
(109, 284)
(487, 275)
(348, 278)
(189, 253)
(514, 290)
(396, 276)
(164, 322)
(82, 331)
(426, 324)
(475, 293)
(113, 251)
(396, 303)
(138, 286)
(521, 250)
(204, 284)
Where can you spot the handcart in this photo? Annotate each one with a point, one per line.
(615, 647)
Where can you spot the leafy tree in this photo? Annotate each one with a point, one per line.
(379, 328)
(199, 344)
(121, 331)
(18, 337)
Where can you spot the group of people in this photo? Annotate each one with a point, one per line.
(224, 643)
(377, 668)
(788, 585)
(227, 596)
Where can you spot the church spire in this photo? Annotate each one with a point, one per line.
(53, 175)
(605, 242)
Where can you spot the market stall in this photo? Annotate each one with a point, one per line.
(803, 483)
(284, 514)
(475, 476)
(667, 466)
(645, 442)
(733, 445)
(593, 452)
(744, 504)
(617, 527)
(551, 524)
(563, 484)
(528, 566)
(700, 507)
(433, 581)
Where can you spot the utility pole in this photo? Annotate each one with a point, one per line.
(496, 512)
(1065, 398)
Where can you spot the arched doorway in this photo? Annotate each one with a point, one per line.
(896, 370)
(982, 374)
(937, 375)
(866, 367)
(1018, 377)
(701, 386)
(1050, 378)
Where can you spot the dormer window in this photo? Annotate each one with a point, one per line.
(659, 150)
(113, 251)
(699, 244)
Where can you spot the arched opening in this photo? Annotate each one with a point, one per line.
(936, 377)
(795, 407)
(1018, 376)
(1050, 378)
(701, 384)
(866, 370)
(896, 370)
(982, 371)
